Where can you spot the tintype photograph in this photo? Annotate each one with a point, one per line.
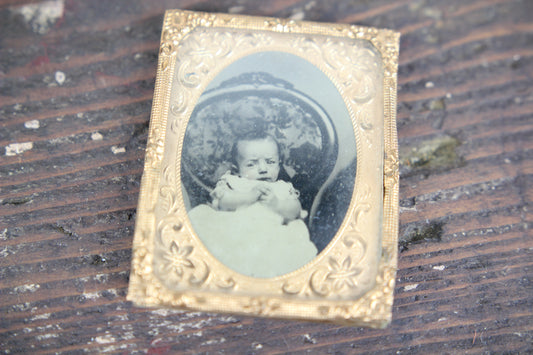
(268, 164)
(270, 185)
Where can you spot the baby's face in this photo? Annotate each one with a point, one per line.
(258, 159)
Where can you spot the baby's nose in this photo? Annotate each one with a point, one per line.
(262, 167)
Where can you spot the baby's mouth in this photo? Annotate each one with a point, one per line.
(264, 179)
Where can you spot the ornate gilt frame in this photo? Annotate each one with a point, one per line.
(330, 288)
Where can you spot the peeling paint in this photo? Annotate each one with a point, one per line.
(27, 288)
(42, 16)
(113, 348)
(459, 192)
(122, 317)
(213, 342)
(60, 140)
(41, 316)
(91, 295)
(166, 312)
(410, 287)
(257, 346)
(128, 336)
(105, 339)
(228, 319)
(33, 124)
(46, 336)
(309, 339)
(21, 307)
(97, 136)
(18, 148)
(158, 326)
(47, 327)
(60, 77)
(407, 209)
(117, 150)
(101, 278)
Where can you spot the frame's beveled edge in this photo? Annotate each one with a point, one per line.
(346, 312)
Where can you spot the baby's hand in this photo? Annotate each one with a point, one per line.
(257, 192)
(268, 197)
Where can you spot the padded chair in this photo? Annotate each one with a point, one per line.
(304, 131)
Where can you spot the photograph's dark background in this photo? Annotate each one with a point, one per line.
(76, 84)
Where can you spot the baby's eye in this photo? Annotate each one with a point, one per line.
(270, 161)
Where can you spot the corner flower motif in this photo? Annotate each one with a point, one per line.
(343, 275)
(176, 260)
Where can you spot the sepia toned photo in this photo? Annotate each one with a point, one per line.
(270, 185)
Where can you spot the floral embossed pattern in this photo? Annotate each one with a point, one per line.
(194, 125)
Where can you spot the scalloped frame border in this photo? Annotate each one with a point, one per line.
(372, 309)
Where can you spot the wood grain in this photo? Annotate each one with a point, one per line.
(67, 205)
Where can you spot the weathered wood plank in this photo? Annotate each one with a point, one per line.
(79, 85)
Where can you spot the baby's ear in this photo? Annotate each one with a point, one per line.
(234, 169)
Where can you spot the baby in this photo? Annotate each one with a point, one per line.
(254, 223)
(257, 163)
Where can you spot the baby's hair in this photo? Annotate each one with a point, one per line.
(251, 136)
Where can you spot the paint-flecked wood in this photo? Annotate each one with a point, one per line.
(75, 91)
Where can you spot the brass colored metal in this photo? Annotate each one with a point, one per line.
(350, 281)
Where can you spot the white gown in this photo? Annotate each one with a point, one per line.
(253, 240)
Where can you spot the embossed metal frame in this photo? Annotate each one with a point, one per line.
(330, 288)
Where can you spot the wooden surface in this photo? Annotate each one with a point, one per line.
(76, 81)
